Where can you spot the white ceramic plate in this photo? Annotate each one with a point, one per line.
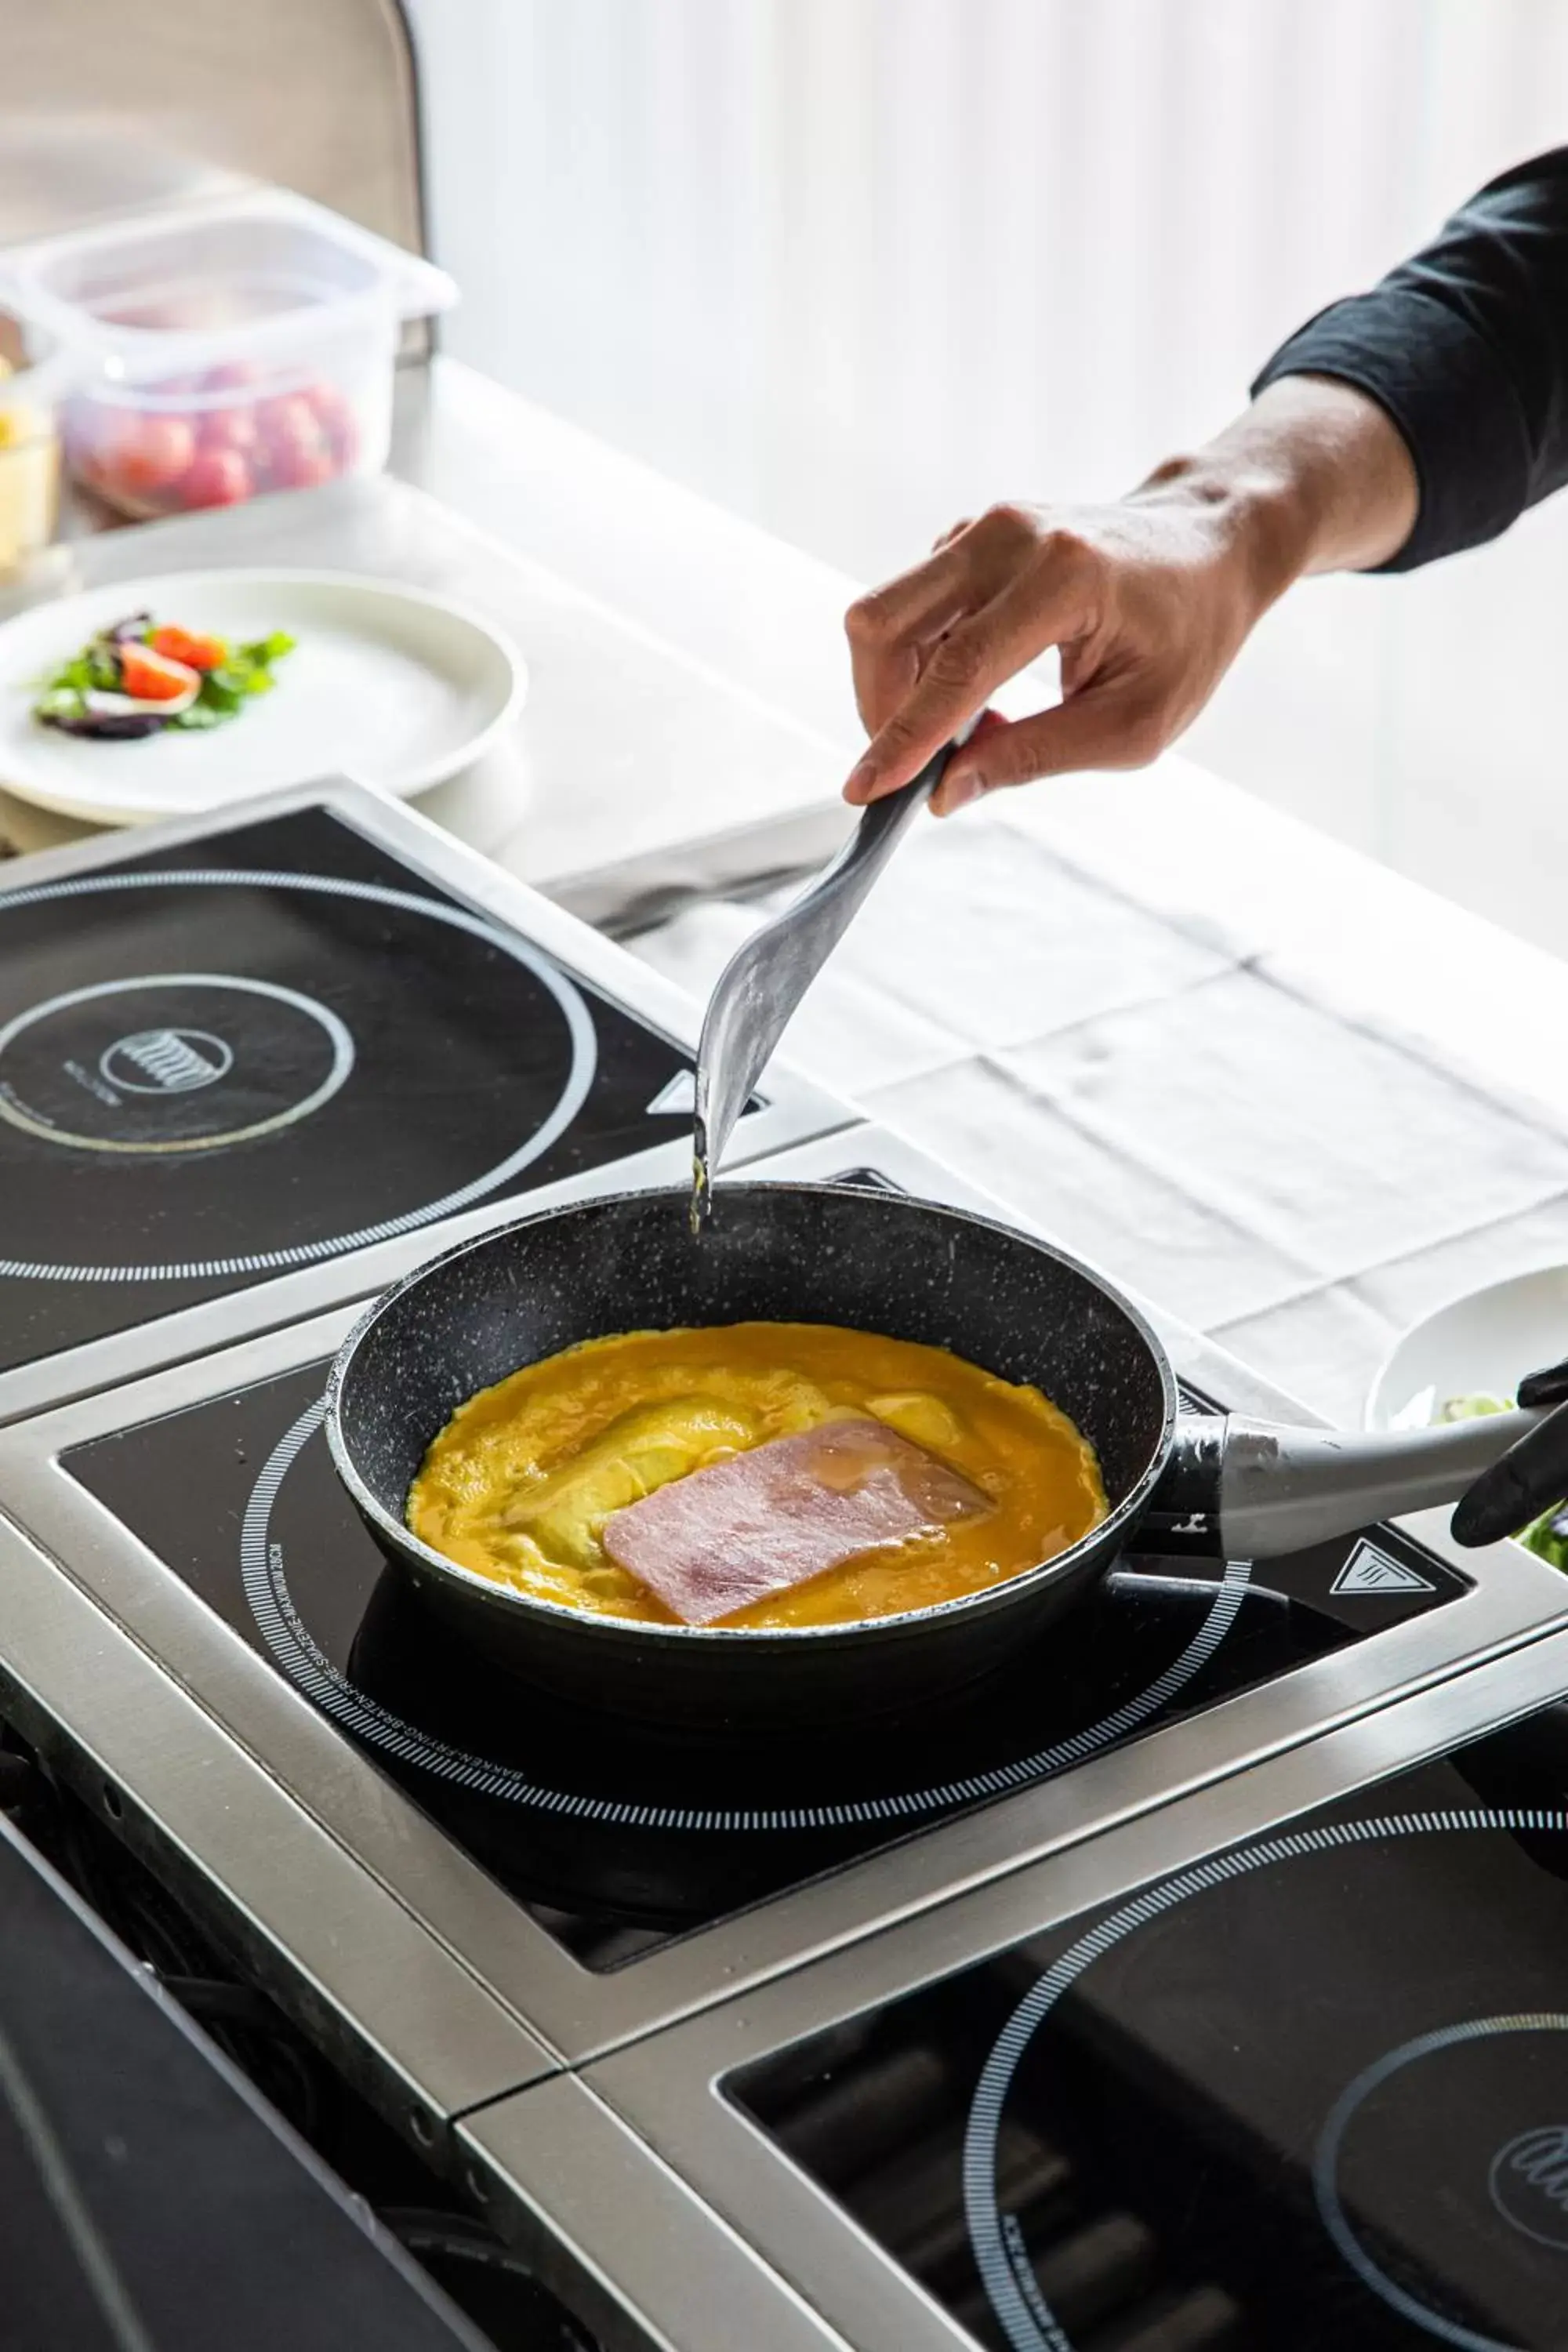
(391, 687)
(1482, 1344)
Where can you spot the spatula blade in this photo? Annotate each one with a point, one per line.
(756, 994)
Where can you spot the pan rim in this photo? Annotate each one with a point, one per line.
(488, 1590)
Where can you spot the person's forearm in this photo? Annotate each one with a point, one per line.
(1464, 347)
(1314, 475)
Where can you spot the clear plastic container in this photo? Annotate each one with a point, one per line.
(219, 352)
(31, 387)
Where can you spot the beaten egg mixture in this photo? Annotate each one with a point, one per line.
(520, 1483)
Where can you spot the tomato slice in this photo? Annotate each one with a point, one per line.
(151, 676)
(182, 646)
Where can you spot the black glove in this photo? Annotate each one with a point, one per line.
(1527, 1480)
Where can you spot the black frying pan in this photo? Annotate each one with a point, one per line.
(882, 1262)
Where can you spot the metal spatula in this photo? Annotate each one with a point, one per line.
(755, 996)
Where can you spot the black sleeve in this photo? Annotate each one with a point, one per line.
(1466, 346)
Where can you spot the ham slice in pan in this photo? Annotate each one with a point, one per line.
(767, 1519)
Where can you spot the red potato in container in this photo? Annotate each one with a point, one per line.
(215, 478)
(228, 429)
(335, 415)
(215, 444)
(133, 456)
(291, 450)
(246, 347)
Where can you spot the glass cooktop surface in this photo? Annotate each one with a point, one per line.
(253, 1052)
(1312, 2091)
(615, 1838)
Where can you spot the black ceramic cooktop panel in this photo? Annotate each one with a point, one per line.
(1311, 2092)
(617, 1838)
(151, 2202)
(257, 1051)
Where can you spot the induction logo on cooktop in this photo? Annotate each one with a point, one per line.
(1529, 2183)
(169, 1062)
(166, 1061)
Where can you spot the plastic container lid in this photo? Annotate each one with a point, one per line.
(245, 278)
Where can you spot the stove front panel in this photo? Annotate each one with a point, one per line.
(1307, 2086)
(326, 1936)
(286, 1045)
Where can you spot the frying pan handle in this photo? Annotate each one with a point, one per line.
(1284, 1489)
(1183, 1512)
(1255, 1489)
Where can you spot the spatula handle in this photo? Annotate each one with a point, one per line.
(884, 822)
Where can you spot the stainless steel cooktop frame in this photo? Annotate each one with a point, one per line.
(625, 2242)
(308, 1825)
(794, 1108)
(708, 2180)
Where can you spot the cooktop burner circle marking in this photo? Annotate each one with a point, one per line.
(263, 1573)
(1326, 2161)
(174, 1061)
(1001, 2254)
(580, 1029)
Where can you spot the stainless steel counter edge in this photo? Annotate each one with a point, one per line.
(409, 2024)
(796, 1107)
(635, 894)
(620, 2237)
(671, 2086)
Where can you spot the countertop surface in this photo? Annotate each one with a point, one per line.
(1296, 1099)
(663, 704)
(149, 2204)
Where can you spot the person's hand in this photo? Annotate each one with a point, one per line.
(1148, 600)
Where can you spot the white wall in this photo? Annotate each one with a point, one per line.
(857, 267)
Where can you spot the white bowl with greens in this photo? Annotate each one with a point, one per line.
(1469, 1356)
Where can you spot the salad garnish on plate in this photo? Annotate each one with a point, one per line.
(138, 679)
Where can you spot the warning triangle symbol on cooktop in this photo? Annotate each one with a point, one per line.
(679, 1097)
(1368, 1569)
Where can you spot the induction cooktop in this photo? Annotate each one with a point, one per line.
(598, 1882)
(1315, 2087)
(1268, 2072)
(295, 1042)
(614, 1838)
